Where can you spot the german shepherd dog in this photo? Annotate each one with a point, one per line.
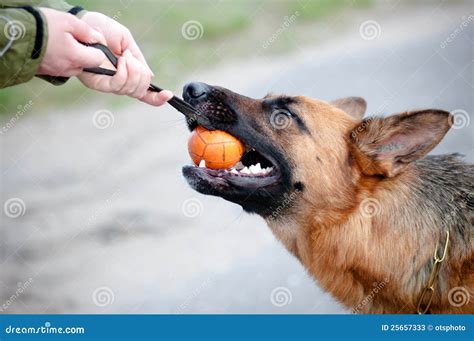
(356, 200)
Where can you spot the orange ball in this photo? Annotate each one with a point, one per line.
(219, 149)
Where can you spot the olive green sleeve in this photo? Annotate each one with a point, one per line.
(59, 5)
(23, 38)
(54, 4)
(18, 62)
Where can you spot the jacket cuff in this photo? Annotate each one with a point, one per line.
(25, 51)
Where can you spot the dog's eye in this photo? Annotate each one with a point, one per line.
(281, 118)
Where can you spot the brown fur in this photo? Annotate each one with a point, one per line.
(348, 253)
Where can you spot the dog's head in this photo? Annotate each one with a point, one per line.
(309, 150)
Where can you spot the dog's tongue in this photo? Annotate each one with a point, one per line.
(218, 149)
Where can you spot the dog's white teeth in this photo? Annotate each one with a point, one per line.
(256, 169)
(202, 164)
(245, 170)
(268, 170)
(240, 169)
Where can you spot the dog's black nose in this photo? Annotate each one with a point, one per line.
(196, 90)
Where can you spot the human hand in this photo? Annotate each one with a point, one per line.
(133, 74)
(64, 55)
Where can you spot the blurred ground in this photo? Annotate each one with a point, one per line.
(108, 223)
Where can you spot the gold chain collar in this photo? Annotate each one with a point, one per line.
(428, 291)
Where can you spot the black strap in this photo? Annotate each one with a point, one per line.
(75, 10)
(38, 45)
(187, 109)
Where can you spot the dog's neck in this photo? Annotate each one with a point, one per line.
(352, 249)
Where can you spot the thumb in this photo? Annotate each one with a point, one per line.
(82, 32)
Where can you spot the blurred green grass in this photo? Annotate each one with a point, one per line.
(231, 29)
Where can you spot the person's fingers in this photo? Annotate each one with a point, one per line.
(130, 44)
(144, 82)
(118, 81)
(82, 32)
(74, 72)
(134, 74)
(85, 56)
(157, 98)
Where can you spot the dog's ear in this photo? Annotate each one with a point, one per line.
(354, 106)
(385, 146)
